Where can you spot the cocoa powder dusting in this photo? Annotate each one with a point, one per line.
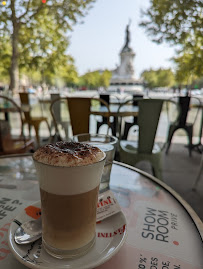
(68, 154)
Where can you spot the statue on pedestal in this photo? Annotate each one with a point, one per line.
(124, 73)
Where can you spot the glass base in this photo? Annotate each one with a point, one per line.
(104, 186)
(68, 254)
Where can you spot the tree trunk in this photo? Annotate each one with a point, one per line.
(14, 71)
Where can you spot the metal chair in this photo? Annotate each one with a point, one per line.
(104, 120)
(30, 120)
(133, 120)
(12, 139)
(182, 122)
(80, 110)
(146, 147)
(60, 117)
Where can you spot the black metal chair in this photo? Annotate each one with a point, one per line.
(104, 120)
(182, 123)
(133, 120)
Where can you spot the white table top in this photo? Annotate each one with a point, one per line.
(162, 227)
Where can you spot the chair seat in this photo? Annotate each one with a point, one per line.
(18, 145)
(132, 147)
(36, 119)
(130, 119)
(182, 126)
(104, 120)
(21, 145)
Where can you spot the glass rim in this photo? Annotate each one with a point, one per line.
(97, 135)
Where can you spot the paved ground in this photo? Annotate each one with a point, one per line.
(180, 172)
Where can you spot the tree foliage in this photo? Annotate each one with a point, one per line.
(189, 62)
(179, 22)
(5, 59)
(96, 79)
(173, 20)
(38, 31)
(158, 78)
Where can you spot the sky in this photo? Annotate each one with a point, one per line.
(97, 42)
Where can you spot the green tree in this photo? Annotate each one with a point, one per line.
(96, 79)
(5, 59)
(150, 78)
(37, 29)
(62, 74)
(90, 79)
(105, 78)
(165, 78)
(189, 62)
(174, 21)
(178, 22)
(183, 69)
(158, 78)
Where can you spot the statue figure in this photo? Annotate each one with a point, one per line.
(127, 36)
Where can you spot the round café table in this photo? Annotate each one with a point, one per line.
(163, 230)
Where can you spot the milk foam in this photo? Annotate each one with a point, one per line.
(68, 154)
(69, 179)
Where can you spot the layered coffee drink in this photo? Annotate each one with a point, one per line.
(69, 177)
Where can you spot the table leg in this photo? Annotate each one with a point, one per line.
(115, 126)
(6, 116)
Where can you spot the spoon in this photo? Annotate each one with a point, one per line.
(28, 232)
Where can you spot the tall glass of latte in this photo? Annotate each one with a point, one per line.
(69, 176)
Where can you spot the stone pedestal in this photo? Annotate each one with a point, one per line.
(124, 73)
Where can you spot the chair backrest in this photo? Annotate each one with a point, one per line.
(105, 97)
(184, 103)
(25, 102)
(149, 114)
(56, 102)
(135, 103)
(57, 106)
(80, 110)
(24, 98)
(135, 97)
(189, 109)
(148, 119)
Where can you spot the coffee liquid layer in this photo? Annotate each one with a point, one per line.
(69, 220)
